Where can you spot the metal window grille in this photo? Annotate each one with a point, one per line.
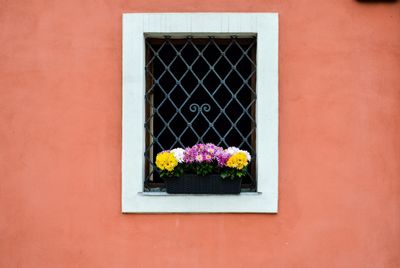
(199, 90)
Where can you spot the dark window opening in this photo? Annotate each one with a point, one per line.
(200, 90)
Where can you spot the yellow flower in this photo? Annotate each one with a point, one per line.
(238, 161)
(166, 161)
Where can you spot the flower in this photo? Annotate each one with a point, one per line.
(208, 158)
(233, 150)
(166, 161)
(201, 153)
(222, 156)
(248, 156)
(203, 159)
(178, 154)
(189, 155)
(238, 161)
(199, 158)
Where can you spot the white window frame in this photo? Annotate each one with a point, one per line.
(136, 26)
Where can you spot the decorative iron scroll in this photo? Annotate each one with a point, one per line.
(194, 107)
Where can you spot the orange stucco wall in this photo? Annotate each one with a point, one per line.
(60, 142)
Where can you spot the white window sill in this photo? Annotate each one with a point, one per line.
(161, 202)
(171, 195)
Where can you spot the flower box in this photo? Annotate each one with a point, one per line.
(195, 184)
(203, 169)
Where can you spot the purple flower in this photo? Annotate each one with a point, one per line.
(223, 158)
(208, 152)
(189, 155)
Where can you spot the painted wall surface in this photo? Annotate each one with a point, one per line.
(60, 142)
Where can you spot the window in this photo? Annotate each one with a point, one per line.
(191, 78)
(200, 90)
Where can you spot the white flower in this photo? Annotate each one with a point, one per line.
(178, 154)
(232, 150)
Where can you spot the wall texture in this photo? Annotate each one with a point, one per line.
(60, 142)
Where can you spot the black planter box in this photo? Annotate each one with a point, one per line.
(194, 184)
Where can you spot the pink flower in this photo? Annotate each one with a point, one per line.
(208, 158)
(199, 158)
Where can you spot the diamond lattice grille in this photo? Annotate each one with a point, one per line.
(200, 90)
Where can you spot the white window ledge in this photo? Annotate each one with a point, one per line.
(167, 194)
(138, 25)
